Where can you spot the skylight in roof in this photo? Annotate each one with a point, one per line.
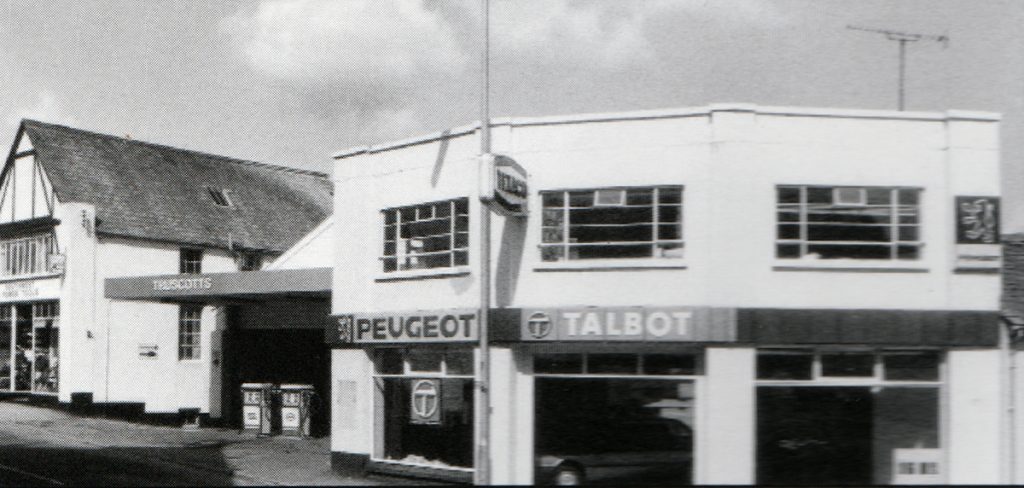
(220, 196)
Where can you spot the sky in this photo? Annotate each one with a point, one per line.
(292, 82)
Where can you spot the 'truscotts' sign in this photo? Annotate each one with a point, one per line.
(679, 324)
(458, 325)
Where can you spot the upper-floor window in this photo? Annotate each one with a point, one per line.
(612, 223)
(220, 196)
(191, 261)
(249, 261)
(430, 235)
(26, 255)
(841, 222)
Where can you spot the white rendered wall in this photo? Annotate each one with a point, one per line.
(729, 162)
(164, 383)
(352, 419)
(975, 420)
(79, 341)
(313, 251)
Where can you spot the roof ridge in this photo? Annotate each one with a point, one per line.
(227, 159)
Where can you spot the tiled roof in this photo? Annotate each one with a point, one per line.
(148, 191)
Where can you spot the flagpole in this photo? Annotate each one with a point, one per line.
(483, 458)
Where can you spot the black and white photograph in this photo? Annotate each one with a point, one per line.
(511, 242)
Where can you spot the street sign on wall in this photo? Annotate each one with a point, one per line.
(504, 187)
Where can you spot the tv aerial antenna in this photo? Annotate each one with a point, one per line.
(903, 38)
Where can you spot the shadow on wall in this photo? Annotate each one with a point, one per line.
(510, 258)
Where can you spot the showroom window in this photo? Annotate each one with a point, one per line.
(426, 236)
(849, 417)
(425, 406)
(612, 223)
(834, 222)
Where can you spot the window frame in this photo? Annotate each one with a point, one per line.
(877, 378)
(893, 227)
(190, 327)
(565, 260)
(186, 265)
(392, 217)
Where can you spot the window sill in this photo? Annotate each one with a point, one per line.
(612, 265)
(40, 276)
(849, 265)
(424, 274)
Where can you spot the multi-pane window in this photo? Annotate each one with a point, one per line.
(191, 261)
(26, 255)
(189, 320)
(827, 222)
(611, 223)
(250, 261)
(430, 235)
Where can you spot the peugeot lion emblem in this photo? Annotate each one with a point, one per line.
(345, 328)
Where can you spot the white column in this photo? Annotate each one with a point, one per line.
(975, 417)
(82, 367)
(725, 444)
(511, 418)
(352, 409)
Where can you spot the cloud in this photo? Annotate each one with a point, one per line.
(361, 41)
(47, 108)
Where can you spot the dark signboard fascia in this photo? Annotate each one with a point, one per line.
(312, 280)
(869, 327)
(782, 327)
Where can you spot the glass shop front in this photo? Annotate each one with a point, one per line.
(29, 338)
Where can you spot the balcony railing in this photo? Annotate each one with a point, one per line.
(26, 256)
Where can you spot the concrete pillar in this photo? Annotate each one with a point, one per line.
(82, 340)
(726, 433)
(511, 419)
(352, 402)
(975, 417)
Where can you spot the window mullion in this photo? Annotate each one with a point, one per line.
(803, 221)
(894, 211)
(655, 225)
(565, 225)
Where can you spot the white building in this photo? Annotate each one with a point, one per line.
(768, 295)
(78, 208)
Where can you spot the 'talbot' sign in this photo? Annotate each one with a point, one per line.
(504, 188)
(459, 325)
(671, 324)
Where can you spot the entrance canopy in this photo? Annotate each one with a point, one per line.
(285, 283)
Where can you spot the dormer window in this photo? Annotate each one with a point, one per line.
(220, 196)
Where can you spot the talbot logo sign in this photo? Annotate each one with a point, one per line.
(638, 324)
(977, 220)
(538, 325)
(504, 186)
(426, 402)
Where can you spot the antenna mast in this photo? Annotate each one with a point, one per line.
(903, 38)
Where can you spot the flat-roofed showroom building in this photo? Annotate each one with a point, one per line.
(729, 294)
(78, 208)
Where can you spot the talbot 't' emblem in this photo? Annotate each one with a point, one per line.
(539, 325)
(424, 399)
